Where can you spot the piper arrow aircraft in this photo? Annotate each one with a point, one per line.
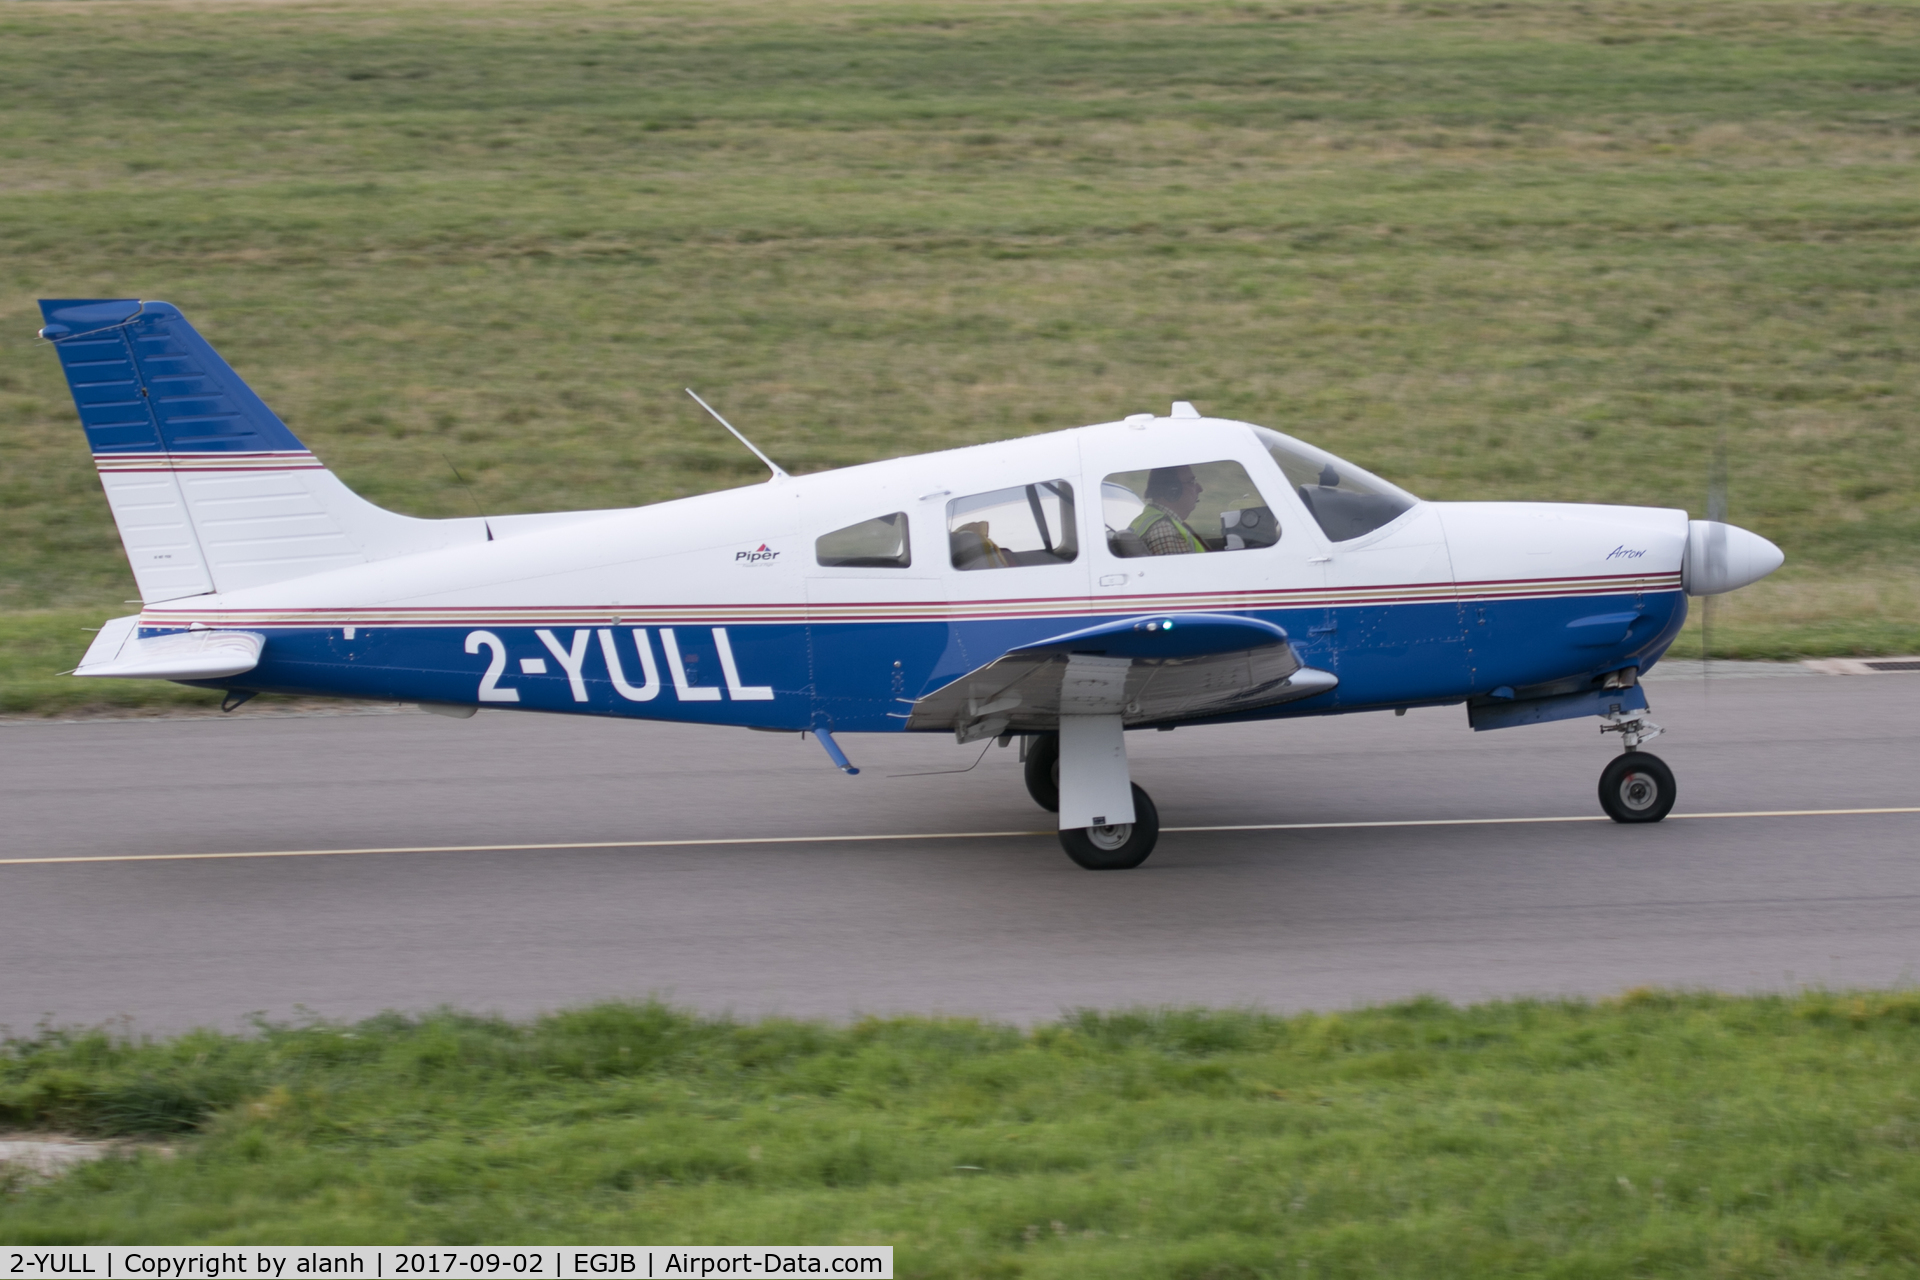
(1161, 572)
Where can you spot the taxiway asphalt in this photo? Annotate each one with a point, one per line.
(1000, 926)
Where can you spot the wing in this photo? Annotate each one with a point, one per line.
(1154, 670)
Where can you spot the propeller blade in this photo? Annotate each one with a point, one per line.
(1706, 637)
(1717, 478)
(1716, 547)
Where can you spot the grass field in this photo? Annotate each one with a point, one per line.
(1650, 1136)
(1494, 250)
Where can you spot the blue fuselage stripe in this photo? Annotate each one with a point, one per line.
(864, 676)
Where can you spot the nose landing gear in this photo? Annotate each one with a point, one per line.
(1637, 786)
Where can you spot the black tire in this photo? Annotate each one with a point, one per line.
(1121, 847)
(1637, 787)
(1043, 770)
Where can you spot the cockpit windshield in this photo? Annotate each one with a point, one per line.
(1346, 501)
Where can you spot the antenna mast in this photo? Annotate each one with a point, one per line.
(778, 473)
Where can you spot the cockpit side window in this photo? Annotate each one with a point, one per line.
(1186, 509)
(1344, 500)
(879, 543)
(1028, 524)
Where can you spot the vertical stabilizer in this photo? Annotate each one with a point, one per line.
(210, 489)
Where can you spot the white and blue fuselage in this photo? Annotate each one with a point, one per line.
(714, 609)
(928, 593)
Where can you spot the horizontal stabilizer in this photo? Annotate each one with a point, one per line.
(1151, 670)
(119, 651)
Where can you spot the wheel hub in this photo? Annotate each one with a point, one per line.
(1639, 791)
(1110, 837)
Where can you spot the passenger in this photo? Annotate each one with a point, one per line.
(1172, 494)
(988, 555)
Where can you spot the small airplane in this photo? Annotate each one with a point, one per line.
(1158, 572)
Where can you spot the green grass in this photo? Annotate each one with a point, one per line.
(37, 648)
(1516, 250)
(1652, 1135)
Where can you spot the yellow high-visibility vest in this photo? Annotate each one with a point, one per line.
(1154, 515)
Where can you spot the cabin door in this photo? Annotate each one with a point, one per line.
(1206, 525)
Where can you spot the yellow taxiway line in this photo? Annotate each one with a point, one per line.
(928, 835)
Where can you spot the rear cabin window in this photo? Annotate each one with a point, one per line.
(879, 543)
(1184, 510)
(1344, 500)
(1030, 524)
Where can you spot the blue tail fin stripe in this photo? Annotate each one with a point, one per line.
(144, 380)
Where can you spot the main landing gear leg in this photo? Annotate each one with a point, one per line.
(1636, 786)
(1106, 822)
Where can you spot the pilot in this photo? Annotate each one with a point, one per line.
(1172, 494)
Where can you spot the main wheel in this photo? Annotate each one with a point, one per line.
(1119, 847)
(1043, 771)
(1637, 787)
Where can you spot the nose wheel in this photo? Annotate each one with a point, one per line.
(1637, 787)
